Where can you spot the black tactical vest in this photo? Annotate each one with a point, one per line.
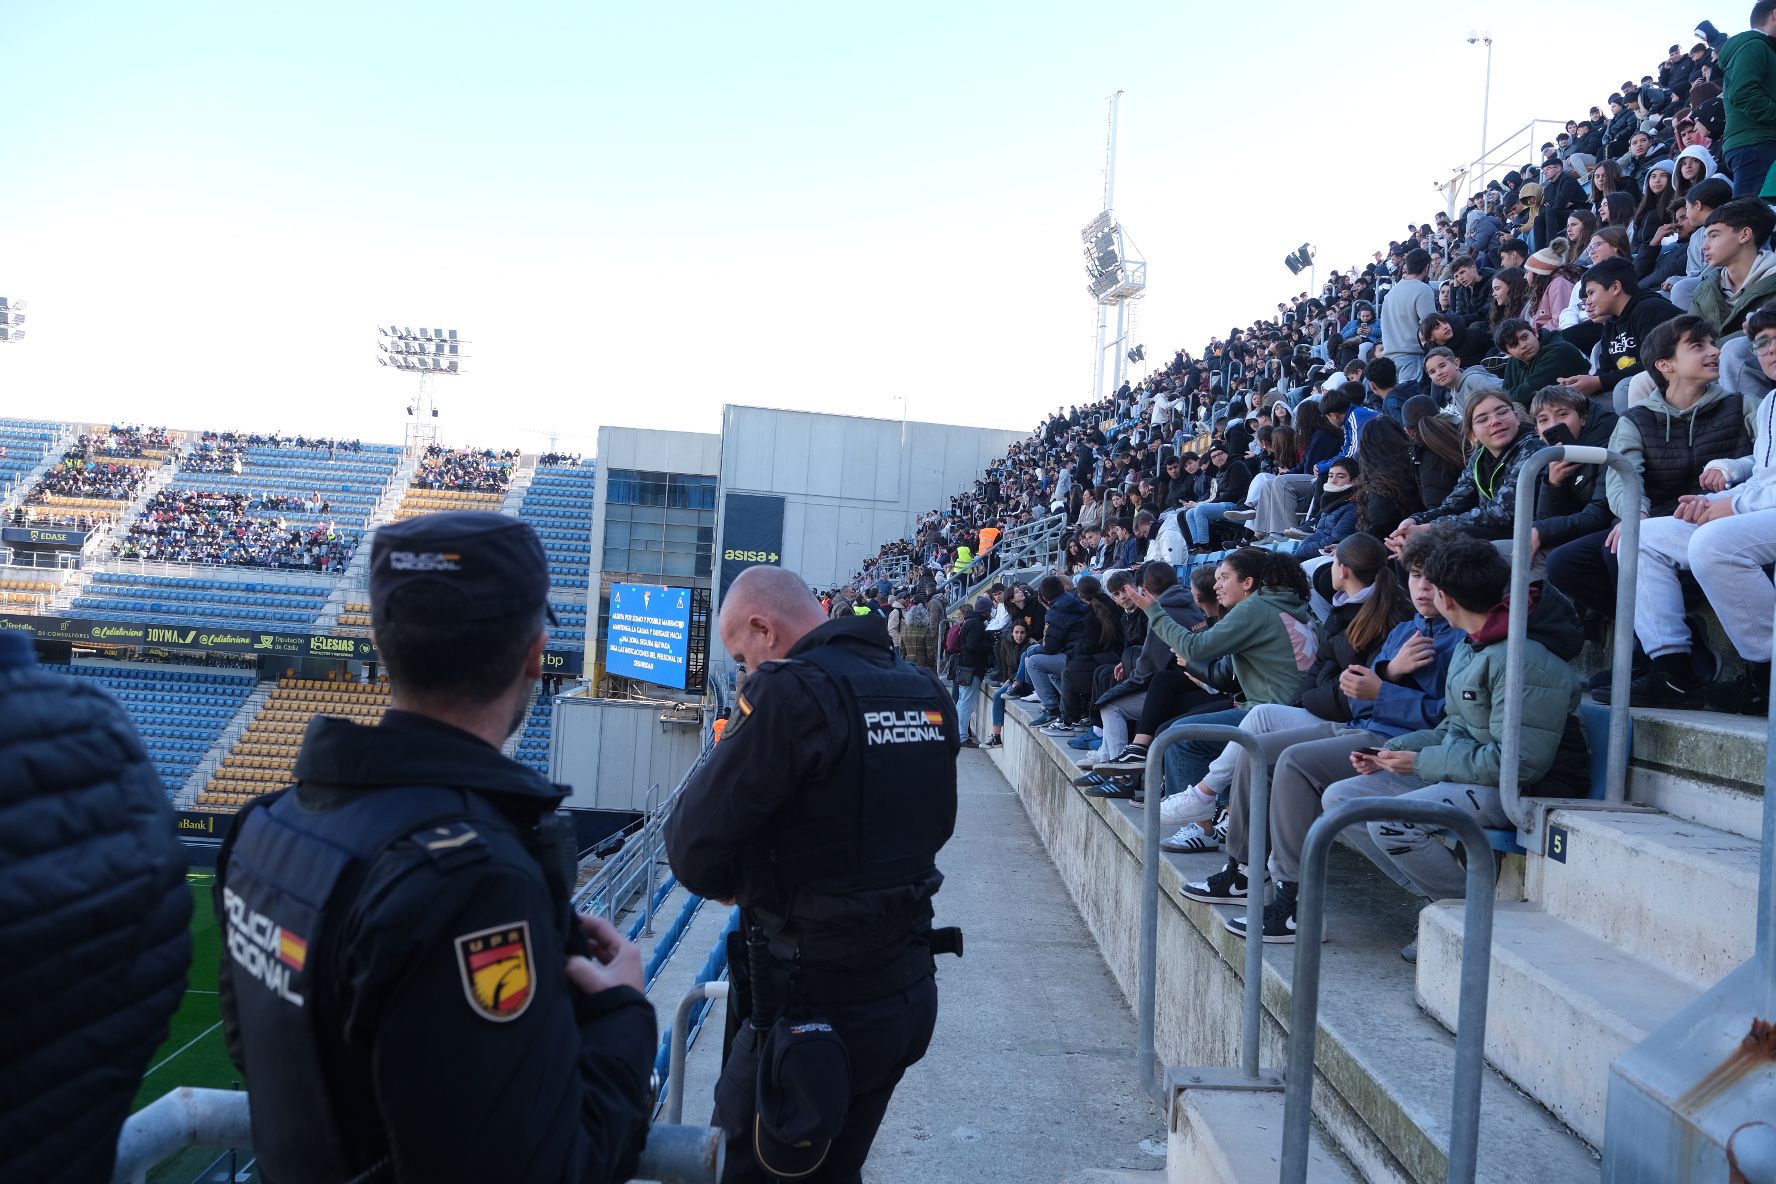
(286, 883)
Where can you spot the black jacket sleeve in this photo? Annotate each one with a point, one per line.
(782, 733)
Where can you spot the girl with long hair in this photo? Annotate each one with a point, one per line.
(1436, 449)
(1387, 490)
(1655, 217)
(1276, 498)
(1606, 179)
(1617, 210)
(1695, 164)
(1580, 226)
(1484, 500)
(1551, 282)
(1510, 294)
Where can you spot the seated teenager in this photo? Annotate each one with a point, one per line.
(1539, 358)
(1484, 500)
(1453, 386)
(1724, 535)
(1741, 276)
(1122, 704)
(1064, 618)
(1272, 640)
(1097, 642)
(1402, 691)
(1437, 457)
(1012, 644)
(1458, 761)
(1624, 315)
(1337, 517)
(1367, 604)
(1572, 502)
(1671, 440)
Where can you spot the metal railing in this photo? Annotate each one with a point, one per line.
(1522, 814)
(1257, 847)
(1476, 964)
(189, 1117)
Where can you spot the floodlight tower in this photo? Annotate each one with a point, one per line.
(428, 354)
(1116, 271)
(12, 315)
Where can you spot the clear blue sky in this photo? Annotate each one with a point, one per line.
(638, 214)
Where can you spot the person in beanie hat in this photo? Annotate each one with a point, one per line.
(1552, 280)
(427, 980)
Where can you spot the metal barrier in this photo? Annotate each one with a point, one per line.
(681, 1023)
(1304, 1000)
(1522, 814)
(1257, 849)
(189, 1117)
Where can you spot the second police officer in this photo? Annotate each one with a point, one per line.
(821, 814)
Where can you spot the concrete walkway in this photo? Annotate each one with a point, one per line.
(1030, 1076)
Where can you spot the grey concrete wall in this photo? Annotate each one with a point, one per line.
(694, 453)
(610, 751)
(849, 483)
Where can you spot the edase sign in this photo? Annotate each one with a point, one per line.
(43, 536)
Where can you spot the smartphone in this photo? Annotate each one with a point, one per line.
(1560, 433)
(1369, 751)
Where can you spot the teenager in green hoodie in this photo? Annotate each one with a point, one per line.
(1740, 277)
(1458, 761)
(1270, 636)
(1539, 358)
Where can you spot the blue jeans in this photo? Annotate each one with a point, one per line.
(1198, 517)
(999, 697)
(1749, 166)
(966, 701)
(1186, 764)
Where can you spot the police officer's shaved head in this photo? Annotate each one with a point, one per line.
(766, 612)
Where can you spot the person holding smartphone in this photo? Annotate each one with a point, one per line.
(1458, 761)
(1573, 502)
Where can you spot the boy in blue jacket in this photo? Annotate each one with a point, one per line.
(1402, 693)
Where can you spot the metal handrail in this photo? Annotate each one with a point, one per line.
(1257, 847)
(681, 1022)
(1304, 999)
(1622, 671)
(189, 1117)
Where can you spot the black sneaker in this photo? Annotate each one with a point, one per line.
(1132, 759)
(1655, 689)
(1749, 694)
(1227, 886)
(971, 742)
(1279, 917)
(996, 741)
(1111, 787)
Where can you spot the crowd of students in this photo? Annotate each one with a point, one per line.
(1339, 486)
(235, 529)
(465, 469)
(77, 475)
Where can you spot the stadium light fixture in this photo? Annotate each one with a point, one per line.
(424, 352)
(12, 316)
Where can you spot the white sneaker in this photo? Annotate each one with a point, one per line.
(1181, 809)
(1032, 697)
(1190, 840)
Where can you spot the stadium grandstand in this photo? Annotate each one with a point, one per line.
(1308, 532)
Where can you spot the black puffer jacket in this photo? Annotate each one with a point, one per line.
(94, 920)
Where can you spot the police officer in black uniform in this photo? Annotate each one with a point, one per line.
(404, 985)
(821, 813)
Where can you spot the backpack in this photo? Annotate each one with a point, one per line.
(953, 639)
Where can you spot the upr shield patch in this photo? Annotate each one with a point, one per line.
(497, 970)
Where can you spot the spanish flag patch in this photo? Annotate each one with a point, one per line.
(497, 970)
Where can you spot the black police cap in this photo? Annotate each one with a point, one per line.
(490, 566)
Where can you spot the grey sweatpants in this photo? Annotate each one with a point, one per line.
(1415, 856)
(1304, 762)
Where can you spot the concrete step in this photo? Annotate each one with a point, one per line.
(1562, 1005)
(1701, 765)
(1236, 1137)
(1384, 1067)
(1676, 894)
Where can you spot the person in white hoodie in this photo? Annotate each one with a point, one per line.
(1725, 537)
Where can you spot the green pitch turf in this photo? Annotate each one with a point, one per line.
(194, 1052)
